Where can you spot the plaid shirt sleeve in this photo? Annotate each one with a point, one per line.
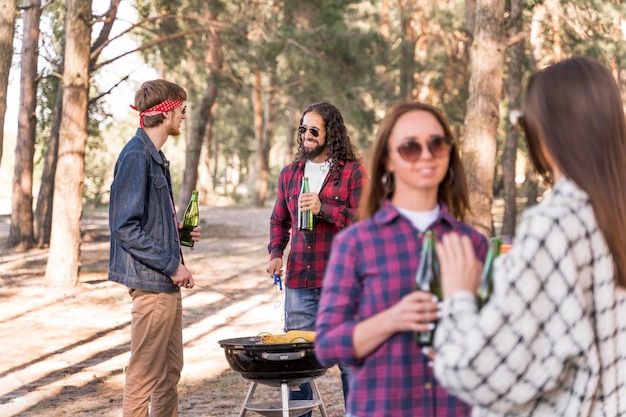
(281, 218)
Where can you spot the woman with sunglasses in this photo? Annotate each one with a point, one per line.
(369, 310)
(552, 339)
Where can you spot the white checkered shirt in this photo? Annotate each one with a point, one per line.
(552, 339)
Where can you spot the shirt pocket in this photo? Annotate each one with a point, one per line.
(292, 202)
(336, 197)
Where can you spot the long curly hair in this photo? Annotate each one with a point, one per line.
(340, 148)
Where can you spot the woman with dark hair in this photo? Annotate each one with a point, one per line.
(552, 339)
(369, 310)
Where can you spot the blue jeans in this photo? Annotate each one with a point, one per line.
(300, 313)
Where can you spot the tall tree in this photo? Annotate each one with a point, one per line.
(8, 13)
(483, 115)
(202, 128)
(64, 259)
(515, 74)
(45, 198)
(21, 234)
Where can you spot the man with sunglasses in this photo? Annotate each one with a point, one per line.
(336, 178)
(146, 255)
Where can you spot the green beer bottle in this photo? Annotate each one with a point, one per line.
(191, 220)
(428, 278)
(485, 289)
(305, 218)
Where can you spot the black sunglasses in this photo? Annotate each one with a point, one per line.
(314, 131)
(184, 110)
(438, 146)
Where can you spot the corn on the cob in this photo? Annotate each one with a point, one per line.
(292, 336)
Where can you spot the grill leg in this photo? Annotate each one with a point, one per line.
(284, 390)
(316, 393)
(244, 408)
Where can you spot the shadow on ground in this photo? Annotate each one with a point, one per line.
(65, 350)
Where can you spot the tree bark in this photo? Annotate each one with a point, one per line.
(482, 117)
(202, 129)
(21, 234)
(45, 198)
(64, 259)
(407, 50)
(43, 211)
(261, 166)
(8, 12)
(515, 66)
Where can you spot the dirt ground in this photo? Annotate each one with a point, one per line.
(64, 351)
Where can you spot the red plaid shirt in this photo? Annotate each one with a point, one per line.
(309, 251)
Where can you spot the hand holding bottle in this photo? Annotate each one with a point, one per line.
(194, 233)
(305, 211)
(460, 269)
(310, 201)
(190, 232)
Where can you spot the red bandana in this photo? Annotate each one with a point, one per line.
(160, 108)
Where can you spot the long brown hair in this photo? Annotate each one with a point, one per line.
(452, 190)
(576, 108)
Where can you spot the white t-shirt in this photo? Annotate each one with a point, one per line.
(420, 219)
(317, 172)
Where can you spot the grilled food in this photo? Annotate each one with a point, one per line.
(292, 336)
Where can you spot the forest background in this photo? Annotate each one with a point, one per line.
(250, 68)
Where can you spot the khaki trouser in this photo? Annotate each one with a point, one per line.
(156, 355)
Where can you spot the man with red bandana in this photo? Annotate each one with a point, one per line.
(146, 255)
(336, 178)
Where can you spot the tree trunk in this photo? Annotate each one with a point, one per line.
(64, 259)
(21, 234)
(536, 35)
(407, 50)
(516, 55)
(7, 31)
(202, 131)
(261, 166)
(45, 198)
(43, 212)
(482, 118)
(292, 127)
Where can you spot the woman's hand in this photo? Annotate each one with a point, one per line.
(460, 270)
(415, 312)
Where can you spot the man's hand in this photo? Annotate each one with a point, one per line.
(182, 277)
(195, 233)
(275, 266)
(310, 201)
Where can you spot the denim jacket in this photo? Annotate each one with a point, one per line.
(145, 248)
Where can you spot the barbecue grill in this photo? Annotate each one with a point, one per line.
(281, 365)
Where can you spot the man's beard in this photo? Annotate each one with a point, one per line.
(306, 154)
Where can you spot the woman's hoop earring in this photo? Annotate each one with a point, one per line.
(387, 181)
